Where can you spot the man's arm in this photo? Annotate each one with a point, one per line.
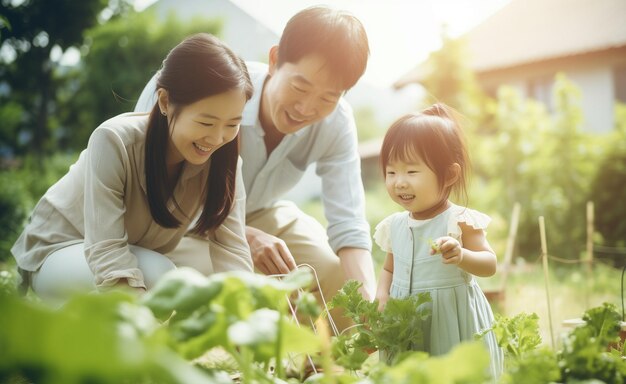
(357, 265)
(344, 199)
(384, 281)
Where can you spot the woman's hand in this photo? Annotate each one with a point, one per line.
(122, 284)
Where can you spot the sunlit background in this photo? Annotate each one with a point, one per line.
(401, 32)
(541, 85)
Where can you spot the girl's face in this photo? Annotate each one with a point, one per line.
(204, 126)
(413, 185)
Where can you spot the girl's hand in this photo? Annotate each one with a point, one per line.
(450, 249)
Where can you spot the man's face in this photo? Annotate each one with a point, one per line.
(298, 94)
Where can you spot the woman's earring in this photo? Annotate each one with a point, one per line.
(164, 113)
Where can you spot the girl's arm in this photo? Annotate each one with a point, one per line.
(384, 281)
(476, 255)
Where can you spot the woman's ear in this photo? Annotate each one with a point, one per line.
(273, 59)
(453, 174)
(163, 100)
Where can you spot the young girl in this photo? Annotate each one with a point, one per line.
(435, 246)
(120, 215)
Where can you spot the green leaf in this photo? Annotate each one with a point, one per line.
(182, 290)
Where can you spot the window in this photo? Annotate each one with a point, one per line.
(540, 89)
(619, 84)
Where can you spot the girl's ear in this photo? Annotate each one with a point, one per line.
(453, 174)
(163, 100)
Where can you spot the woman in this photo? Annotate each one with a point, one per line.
(150, 192)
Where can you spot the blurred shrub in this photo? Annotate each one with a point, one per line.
(607, 187)
(14, 203)
(21, 188)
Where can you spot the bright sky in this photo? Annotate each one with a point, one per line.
(401, 32)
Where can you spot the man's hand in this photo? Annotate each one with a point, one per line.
(357, 265)
(270, 254)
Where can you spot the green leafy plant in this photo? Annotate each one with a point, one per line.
(398, 328)
(525, 360)
(245, 314)
(104, 338)
(466, 363)
(588, 351)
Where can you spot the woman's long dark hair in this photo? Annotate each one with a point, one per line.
(199, 67)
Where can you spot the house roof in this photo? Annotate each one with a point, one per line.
(526, 31)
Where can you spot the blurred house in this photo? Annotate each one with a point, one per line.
(527, 42)
(244, 34)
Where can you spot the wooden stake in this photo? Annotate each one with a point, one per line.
(544, 257)
(589, 261)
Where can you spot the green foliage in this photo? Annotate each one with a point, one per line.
(584, 355)
(8, 283)
(243, 313)
(14, 205)
(119, 58)
(450, 79)
(21, 189)
(367, 126)
(517, 335)
(398, 328)
(467, 363)
(31, 29)
(608, 184)
(524, 154)
(537, 366)
(519, 338)
(112, 338)
(544, 162)
(103, 338)
(11, 114)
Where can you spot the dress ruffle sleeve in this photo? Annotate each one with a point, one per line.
(382, 235)
(471, 217)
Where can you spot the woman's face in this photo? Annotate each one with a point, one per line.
(199, 129)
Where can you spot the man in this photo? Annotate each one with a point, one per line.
(296, 117)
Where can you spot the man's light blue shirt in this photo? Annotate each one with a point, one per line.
(331, 143)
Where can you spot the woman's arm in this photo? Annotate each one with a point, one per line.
(106, 240)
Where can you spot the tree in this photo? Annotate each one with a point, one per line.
(119, 58)
(32, 35)
(452, 81)
(544, 162)
(521, 152)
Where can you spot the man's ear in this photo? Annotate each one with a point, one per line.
(273, 59)
(163, 99)
(452, 175)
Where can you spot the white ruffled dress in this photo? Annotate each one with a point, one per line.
(459, 307)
